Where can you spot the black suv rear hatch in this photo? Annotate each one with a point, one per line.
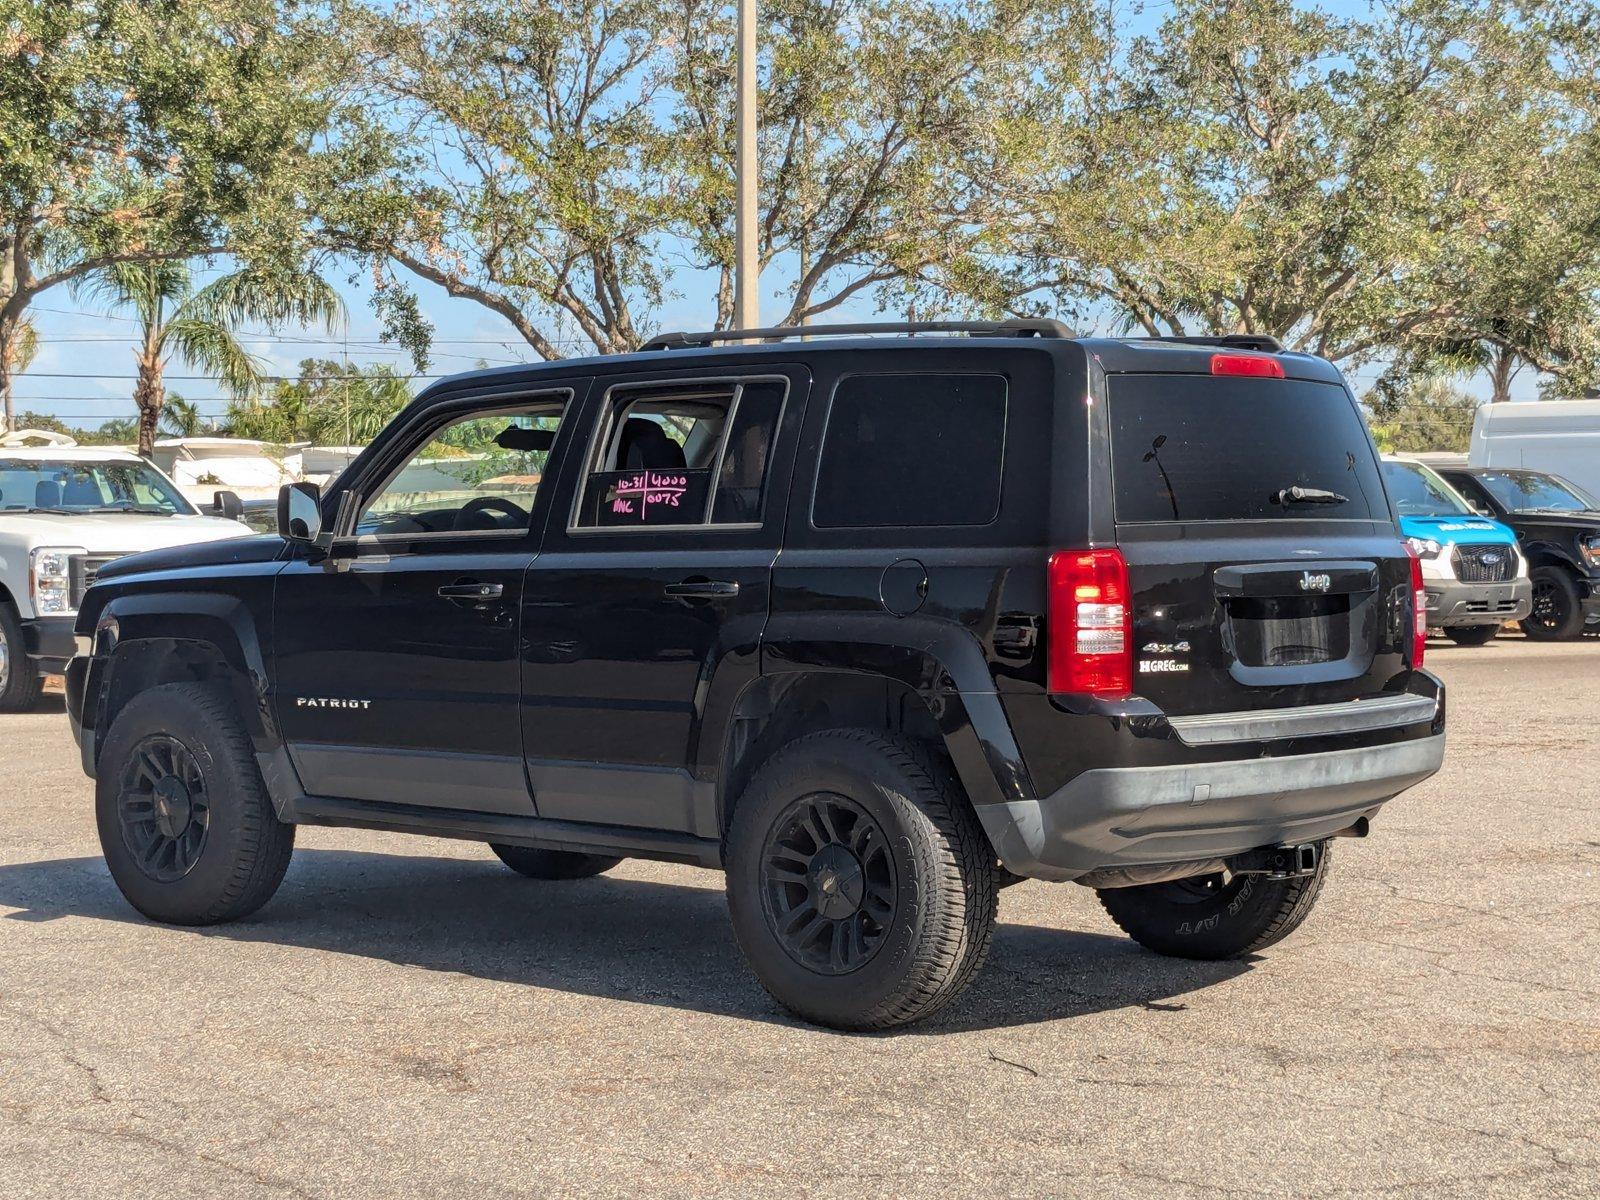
(1263, 561)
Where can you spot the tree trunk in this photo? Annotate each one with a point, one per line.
(149, 393)
(9, 330)
(1502, 367)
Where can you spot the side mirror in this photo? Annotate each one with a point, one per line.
(299, 512)
(227, 504)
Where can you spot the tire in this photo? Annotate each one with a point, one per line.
(552, 864)
(1557, 614)
(1208, 918)
(1472, 635)
(19, 682)
(864, 847)
(186, 824)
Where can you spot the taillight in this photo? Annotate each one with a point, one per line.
(1246, 364)
(1419, 610)
(1091, 624)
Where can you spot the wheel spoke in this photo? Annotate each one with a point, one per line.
(784, 875)
(824, 812)
(839, 944)
(797, 917)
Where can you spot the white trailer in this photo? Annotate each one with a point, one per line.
(1561, 437)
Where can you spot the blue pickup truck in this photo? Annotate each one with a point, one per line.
(1475, 576)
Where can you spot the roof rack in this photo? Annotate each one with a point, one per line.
(1044, 327)
(1263, 342)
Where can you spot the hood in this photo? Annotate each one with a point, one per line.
(232, 551)
(1580, 521)
(1455, 527)
(112, 533)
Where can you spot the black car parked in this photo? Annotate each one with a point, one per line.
(1557, 525)
(875, 625)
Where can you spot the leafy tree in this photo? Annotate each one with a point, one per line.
(181, 418)
(560, 163)
(1425, 413)
(135, 132)
(199, 327)
(329, 403)
(1356, 185)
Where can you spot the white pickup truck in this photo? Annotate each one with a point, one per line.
(64, 512)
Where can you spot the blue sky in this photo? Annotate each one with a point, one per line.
(84, 369)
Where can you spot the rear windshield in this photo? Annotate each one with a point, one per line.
(1222, 448)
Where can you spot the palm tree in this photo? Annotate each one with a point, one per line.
(18, 351)
(180, 417)
(200, 327)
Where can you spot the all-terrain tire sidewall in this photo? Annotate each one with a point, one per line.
(1472, 635)
(537, 863)
(23, 683)
(945, 902)
(1571, 625)
(1259, 913)
(246, 849)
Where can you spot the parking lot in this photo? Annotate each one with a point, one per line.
(408, 1017)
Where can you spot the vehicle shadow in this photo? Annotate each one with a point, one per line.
(615, 938)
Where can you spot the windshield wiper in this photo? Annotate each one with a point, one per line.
(148, 510)
(45, 508)
(1305, 495)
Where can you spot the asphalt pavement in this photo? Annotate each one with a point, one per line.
(407, 1017)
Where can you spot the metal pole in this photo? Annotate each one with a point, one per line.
(747, 172)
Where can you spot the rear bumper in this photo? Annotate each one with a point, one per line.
(1128, 816)
(49, 643)
(1454, 603)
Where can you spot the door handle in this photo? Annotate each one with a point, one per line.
(470, 590)
(702, 589)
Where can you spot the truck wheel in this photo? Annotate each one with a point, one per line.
(1472, 635)
(19, 682)
(1557, 614)
(186, 824)
(552, 864)
(861, 887)
(1212, 916)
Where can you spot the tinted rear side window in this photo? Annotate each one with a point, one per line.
(912, 450)
(1204, 448)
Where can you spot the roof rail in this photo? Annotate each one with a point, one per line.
(1044, 327)
(1263, 342)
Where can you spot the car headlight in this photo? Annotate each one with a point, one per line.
(50, 580)
(1425, 547)
(1590, 548)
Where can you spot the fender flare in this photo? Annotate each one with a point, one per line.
(937, 660)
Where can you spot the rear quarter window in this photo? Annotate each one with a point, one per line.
(912, 450)
(1223, 448)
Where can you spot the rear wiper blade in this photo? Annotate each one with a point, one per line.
(1305, 495)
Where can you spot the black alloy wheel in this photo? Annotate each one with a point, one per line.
(828, 884)
(1557, 611)
(163, 808)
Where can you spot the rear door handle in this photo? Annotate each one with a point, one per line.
(472, 591)
(702, 589)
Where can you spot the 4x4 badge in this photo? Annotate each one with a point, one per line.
(1315, 583)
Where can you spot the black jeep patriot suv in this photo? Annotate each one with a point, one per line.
(875, 625)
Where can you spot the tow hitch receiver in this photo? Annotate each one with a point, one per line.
(1277, 862)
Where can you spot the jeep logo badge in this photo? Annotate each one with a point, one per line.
(1315, 583)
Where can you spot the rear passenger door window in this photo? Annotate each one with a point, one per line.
(685, 456)
(912, 450)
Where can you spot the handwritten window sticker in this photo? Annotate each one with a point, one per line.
(650, 497)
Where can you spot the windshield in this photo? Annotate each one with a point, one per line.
(1533, 491)
(1418, 492)
(45, 485)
